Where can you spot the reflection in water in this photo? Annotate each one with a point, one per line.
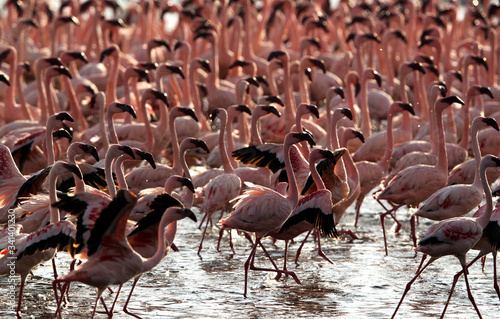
(362, 282)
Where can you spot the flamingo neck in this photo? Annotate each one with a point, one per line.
(255, 136)
(442, 161)
(147, 125)
(477, 152)
(484, 219)
(315, 175)
(120, 176)
(113, 138)
(385, 161)
(183, 163)
(48, 95)
(151, 262)
(293, 194)
(54, 212)
(230, 141)
(226, 164)
(176, 165)
(109, 175)
(366, 126)
(112, 81)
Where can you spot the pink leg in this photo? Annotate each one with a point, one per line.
(300, 247)
(247, 266)
(413, 232)
(114, 301)
(320, 251)
(291, 273)
(203, 237)
(347, 232)
(21, 288)
(408, 285)
(359, 202)
(382, 221)
(469, 292)
(128, 299)
(495, 281)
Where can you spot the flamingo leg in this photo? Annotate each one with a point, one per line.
(203, 236)
(455, 280)
(320, 251)
(300, 247)
(495, 280)
(291, 273)
(408, 285)
(128, 299)
(114, 301)
(382, 221)
(469, 292)
(413, 232)
(247, 266)
(21, 287)
(359, 202)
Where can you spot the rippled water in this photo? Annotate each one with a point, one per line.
(362, 282)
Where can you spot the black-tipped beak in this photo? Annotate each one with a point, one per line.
(313, 110)
(452, 99)
(161, 96)
(272, 109)
(31, 23)
(433, 69)
(142, 74)
(148, 157)
(239, 63)
(188, 213)
(62, 70)
(491, 122)
(244, 108)
(458, 75)
(275, 54)
(275, 99)
(127, 108)
(347, 113)
(408, 107)
(62, 133)
(201, 144)
(79, 56)
(416, 66)
(162, 43)
(177, 45)
(359, 135)
(5, 79)
(262, 79)
(187, 182)
(319, 64)
(189, 112)
(205, 65)
(90, 149)
(315, 42)
(214, 114)
(106, 52)
(306, 136)
(127, 150)
(54, 61)
(74, 169)
(177, 70)
(401, 36)
(339, 91)
(481, 61)
(357, 88)
(4, 55)
(486, 91)
(64, 116)
(253, 81)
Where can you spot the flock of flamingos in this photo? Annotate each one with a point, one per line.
(276, 116)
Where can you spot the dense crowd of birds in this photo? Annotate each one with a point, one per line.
(296, 110)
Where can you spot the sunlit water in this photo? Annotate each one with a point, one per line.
(362, 282)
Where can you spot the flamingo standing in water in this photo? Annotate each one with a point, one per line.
(42, 244)
(456, 236)
(108, 249)
(261, 210)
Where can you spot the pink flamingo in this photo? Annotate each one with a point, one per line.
(41, 245)
(372, 173)
(252, 214)
(109, 250)
(221, 190)
(456, 236)
(416, 183)
(313, 211)
(459, 199)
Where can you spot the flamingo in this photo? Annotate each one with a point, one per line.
(109, 250)
(222, 189)
(372, 173)
(42, 244)
(459, 199)
(456, 236)
(415, 184)
(252, 214)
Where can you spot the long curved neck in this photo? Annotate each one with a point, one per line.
(477, 152)
(315, 175)
(366, 126)
(350, 98)
(149, 263)
(112, 81)
(289, 102)
(48, 95)
(226, 164)
(484, 219)
(407, 125)
(442, 161)
(11, 90)
(147, 125)
(350, 166)
(54, 212)
(175, 143)
(183, 163)
(113, 138)
(304, 91)
(109, 175)
(464, 142)
(49, 144)
(79, 185)
(120, 176)
(255, 136)
(385, 161)
(293, 194)
(230, 140)
(41, 92)
(19, 90)
(76, 111)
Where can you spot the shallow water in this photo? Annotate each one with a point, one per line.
(361, 283)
